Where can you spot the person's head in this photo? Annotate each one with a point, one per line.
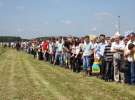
(108, 39)
(94, 40)
(126, 41)
(132, 36)
(102, 38)
(97, 40)
(60, 40)
(77, 43)
(82, 40)
(53, 39)
(73, 42)
(121, 38)
(117, 39)
(131, 46)
(87, 39)
(112, 40)
(127, 35)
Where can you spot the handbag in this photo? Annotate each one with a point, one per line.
(96, 67)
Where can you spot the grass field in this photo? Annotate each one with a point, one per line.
(23, 78)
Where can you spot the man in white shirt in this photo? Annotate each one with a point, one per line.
(87, 52)
(118, 49)
(59, 52)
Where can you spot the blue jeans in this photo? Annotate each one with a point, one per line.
(132, 72)
(86, 63)
(59, 58)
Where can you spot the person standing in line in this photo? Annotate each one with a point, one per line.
(45, 47)
(87, 52)
(99, 54)
(59, 52)
(130, 54)
(77, 62)
(108, 61)
(118, 57)
(18, 46)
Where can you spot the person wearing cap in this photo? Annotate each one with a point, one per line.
(118, 54)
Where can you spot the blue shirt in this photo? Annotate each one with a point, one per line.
(100, 49)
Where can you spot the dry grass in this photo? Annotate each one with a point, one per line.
(23, 78)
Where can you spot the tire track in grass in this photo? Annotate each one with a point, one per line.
(45, 83)
(41, 93)
(99, 87)
(23, 78)
(6, 77)
(26, 90)
(11, 84)
(63, 83)
(66, 82)
(40, 89)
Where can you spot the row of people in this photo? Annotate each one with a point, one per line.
(108, 58)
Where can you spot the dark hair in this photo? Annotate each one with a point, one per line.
(103, 35)
(130, 46)
(121, 37)
(133, 34)
(87, 36)
(108, 38)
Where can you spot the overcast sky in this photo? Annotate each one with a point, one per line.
(33, 18)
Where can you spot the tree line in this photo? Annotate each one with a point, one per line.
(9, 38)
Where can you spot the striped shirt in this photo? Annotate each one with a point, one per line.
(108, 54)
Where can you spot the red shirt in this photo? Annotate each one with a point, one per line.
(45, 45)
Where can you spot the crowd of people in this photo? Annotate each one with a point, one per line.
(108, 58)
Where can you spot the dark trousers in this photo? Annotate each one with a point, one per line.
(40, 55)
(102, 68)
(51, 58)
(46, 56)
(108, 70)
(127, 65)
(77, 65)
(132, 71)
(72, 62)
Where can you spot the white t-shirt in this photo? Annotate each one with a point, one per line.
(87, 49)
(73, 49)
(50, 47)
(60, 47)
(117, 46)
(77, 50)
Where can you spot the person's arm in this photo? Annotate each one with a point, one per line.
(94, 53)
(127, 52)
(113, 49)
(92, 48)
(77, 53)
(122, 47)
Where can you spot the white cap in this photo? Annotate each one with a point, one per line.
(117, 34)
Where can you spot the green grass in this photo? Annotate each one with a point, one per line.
(24, 78)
